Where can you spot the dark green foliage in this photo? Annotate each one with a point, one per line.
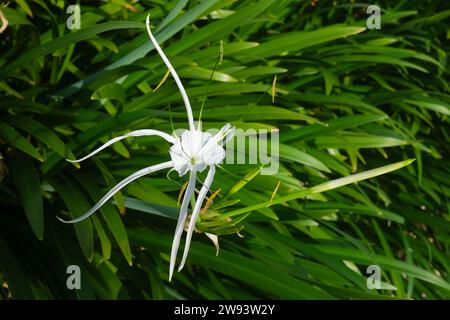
(347, 100)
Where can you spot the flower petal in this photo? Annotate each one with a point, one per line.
(4, 22)
(215, 239)
(214, 155)
(137, 133)
(225, 134)
(212, 151)
(119, 186)
(198, 205)
(174, 75)
(180, 224)
(193, 141)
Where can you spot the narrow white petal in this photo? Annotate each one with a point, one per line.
(137, 133)
(4, 22)
(119, 186)
(221, 138)
(215, 239)
(197, 207)
(174, 75)
(230, 134)
(180, 224)
(224, 134)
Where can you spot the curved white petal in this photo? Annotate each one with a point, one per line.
(174, 75)
(180, 224)
(119, 186)
(180, 161)
(4, 22)
(197, 207)
(214, 155)
(225, 134)
(212, 149)
(137, 133)
(215, 240)
(229, 135)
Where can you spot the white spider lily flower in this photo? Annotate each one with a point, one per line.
(193, 152)
(197, 150)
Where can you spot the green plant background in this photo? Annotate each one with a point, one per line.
(346, 100)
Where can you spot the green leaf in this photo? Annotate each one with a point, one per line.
(15, 17)
(295, 41)
(313, 131)
(64, 41)
(77, 205)
(252, 113)
(222, 27)
(293, 154)
(326, 186)
(12, 137)
(271, 242)
(385, 262)
(246, 179)
(159, 210)
(112, 218)
(205, 74)
(25, 7)
(26, 178)
(360, 176)
(104, 241)
(42, 133)
(14, 273)
(266, 278)
(359, 141)
(110, 91)
(433, 105)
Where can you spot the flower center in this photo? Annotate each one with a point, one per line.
(195, 150)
